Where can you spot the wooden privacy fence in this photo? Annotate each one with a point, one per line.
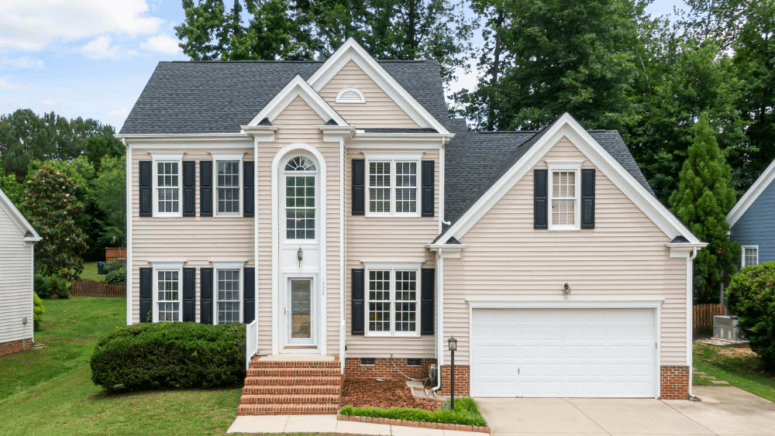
(704, 313)
(91, 288)
(115, 253)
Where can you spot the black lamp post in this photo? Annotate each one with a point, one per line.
(452, 348)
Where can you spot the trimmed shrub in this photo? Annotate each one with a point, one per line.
(37, 311)
(466, 413)
(751, 298)
(41, 286)
(47, 286)
(170, 356)
(113, 265)
(116, 276)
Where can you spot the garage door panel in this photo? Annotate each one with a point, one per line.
(563, 353)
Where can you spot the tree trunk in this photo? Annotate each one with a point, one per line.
(494, 71)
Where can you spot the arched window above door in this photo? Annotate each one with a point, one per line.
(300, 163)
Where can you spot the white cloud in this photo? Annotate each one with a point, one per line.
(161, 44)
(123, 112)
(102, 48)
(48, 102)
(32, 25)
(5, 84)
(24, 62)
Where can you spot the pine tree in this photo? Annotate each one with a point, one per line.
(702, 200)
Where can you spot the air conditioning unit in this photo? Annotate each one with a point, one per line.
(725, 327)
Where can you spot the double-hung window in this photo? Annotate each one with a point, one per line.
(392, 184)
(228, 291)
(564, 195)
(167, 180)
(750, 255)
(228, 183)
(168, 291)
(393, 300)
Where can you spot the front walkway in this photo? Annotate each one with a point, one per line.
(329, 424)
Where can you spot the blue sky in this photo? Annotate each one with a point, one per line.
(92, 58)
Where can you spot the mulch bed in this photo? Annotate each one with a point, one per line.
(367, 392)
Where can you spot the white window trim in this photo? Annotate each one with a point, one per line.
(229, 265)
(360, 94)
(228, 156)
(403, 156)
(393, 267)
(317, 174)
(165, 157)
(750, 247)
(166, 266)
(565, 166)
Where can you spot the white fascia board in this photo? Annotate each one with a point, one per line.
(18, 218)
(751, 194)
(137, 139)
(352, 51)
(297, 87)
(684, 250)
(565, 303)
(567, 127)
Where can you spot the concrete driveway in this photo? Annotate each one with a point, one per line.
(723, 411)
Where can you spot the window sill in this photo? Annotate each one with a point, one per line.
(564, 229)
(388, 335)
(167, 215)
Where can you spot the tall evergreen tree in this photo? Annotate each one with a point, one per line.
(702, 200)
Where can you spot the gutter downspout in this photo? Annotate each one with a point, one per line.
(440, 329)
(689, 319)
(255, 233)
(342, 322)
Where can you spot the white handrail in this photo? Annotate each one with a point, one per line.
(251, 342)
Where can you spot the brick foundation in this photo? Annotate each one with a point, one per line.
(462, 380)
(674, 382)
(15, 346)
(386, 369)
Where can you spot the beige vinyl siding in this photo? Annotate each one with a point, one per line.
(298, 123)
(379, 111)
(623, 257)
(388, 239)
(15, 281)
(194, 240)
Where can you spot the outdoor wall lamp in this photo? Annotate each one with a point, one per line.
(452, 348)
(566, 289)
(300, 253)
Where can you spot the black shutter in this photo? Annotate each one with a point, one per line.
(146, 294)
(249, 310)
(206, 188)
(588, 198)
(189, 294)
(428, 188)
(357, 302)
(540, 198)
(189, 188)
(249, 209)
(146, 184)
(428, 288)
(359, 185)
(206, 295)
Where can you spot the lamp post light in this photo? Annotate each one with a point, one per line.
(452, 348)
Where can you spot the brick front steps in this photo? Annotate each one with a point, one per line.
(291, 388)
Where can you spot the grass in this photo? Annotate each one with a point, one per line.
(466, 413)
(90, 272)
(740, 369)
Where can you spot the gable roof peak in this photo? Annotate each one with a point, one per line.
(30, 235)
(750, 196)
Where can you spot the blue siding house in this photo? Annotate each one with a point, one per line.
(752, 221)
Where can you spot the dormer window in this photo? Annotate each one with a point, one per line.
(350, 95)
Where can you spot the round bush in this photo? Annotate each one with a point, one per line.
(41, 286)
(58, 287)
(113, 265)
(751, 298)
(116, 276)
(170, 356)
(37, 315)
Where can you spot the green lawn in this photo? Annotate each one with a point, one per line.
(739, 369)
(49, 391)
(90, 272)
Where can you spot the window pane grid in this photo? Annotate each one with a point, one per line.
(379, 186)
(227, 183)
(751, 256)
(379, 301)
(228, 296)
(564, 197)
(168, 296)
(406, 301)
(300, 207)
(392, 303)
(167, 187)
(406, 186)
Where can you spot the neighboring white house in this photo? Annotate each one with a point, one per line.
(17, 264)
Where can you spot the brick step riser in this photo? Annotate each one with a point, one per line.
(292, 390)
(264, 364)
(293, 381)
(290, 399)
(292, 372)
(286, 409)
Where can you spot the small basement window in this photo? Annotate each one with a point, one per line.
(350, 95)
(413, 362)
(367, 361)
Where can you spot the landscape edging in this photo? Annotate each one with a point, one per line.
(405, 423)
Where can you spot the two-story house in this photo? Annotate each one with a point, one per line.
(337, 205)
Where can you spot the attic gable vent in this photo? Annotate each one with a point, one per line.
(350, 95)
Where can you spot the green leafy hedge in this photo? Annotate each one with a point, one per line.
(466, 413)
(116, 276)
(46, 286)
(170, 356)
(751, 297)
(37, 314)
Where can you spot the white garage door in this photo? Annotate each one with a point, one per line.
(563, 353)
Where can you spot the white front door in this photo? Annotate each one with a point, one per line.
(564, 353)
